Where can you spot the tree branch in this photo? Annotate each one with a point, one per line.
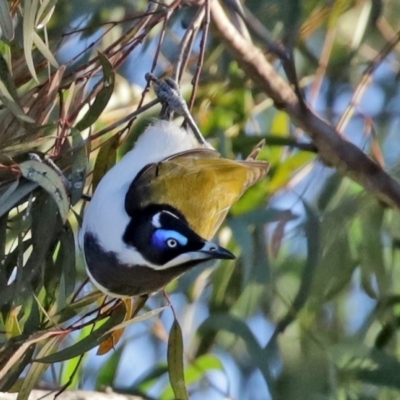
(333, 149)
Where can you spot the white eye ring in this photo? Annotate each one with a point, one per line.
(171, 243)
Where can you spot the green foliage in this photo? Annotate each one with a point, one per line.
(318, 257)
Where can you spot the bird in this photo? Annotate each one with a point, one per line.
(154, 213)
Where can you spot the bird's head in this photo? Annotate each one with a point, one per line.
(162, 236)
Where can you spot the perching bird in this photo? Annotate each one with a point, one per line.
(153, 214)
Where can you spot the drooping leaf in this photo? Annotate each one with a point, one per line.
(6, 24)
(102, 97)
(30, 9)
(65, 260)
(196, 371)
(371, 249)
(42, 47)
(12, 104)
(175, 362)
(79, 167)
(105, 160)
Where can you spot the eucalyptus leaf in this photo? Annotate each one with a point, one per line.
(89, 342)
(49, 180)
(71, 310)
(36, 370)
(102, 97)
(6, 24)
(28, 26)
(79, 167)
(175, 362)
(105, 160)
(226, 322)
(18, 194)
(65, 261)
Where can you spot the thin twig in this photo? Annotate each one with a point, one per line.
(186, 45)
(365, 81)
(200, 62)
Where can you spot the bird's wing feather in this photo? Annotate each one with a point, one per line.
(198, 184)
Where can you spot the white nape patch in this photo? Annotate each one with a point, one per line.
(155, 221)
(105, 215)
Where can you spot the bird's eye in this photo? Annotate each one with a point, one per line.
(171, 243)
(165, 239)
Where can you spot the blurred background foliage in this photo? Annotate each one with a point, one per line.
(310, 309)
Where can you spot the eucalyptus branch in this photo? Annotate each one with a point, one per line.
(333, 150)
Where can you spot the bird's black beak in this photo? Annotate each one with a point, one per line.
(217, 252)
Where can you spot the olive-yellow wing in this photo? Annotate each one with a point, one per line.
(198, 183)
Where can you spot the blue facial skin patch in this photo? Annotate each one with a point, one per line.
(161, 237)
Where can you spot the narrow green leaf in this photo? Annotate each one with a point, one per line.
(79, 167)
(30, 9)
(45, 12)
(312, 231)
(150, 378)
(227, 322)
(280, 125)
(175, 362)
(371, 250)
(24, 188)
(36, 370)
(89, 342)
(9, 376)
(3, 251)
(200, 366)
(102, 97)
(72, 310)
(7, 191)
(12, 105)
(49, 180)
(70, 368)
(265, 216)
(42, 47)
(140, 318)
(108, 371)
(65, 260)
(7, 78)
(6, 24)
(105, 160)
(197, 371)
(12, 352)
(242, 236)
(286, 170)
